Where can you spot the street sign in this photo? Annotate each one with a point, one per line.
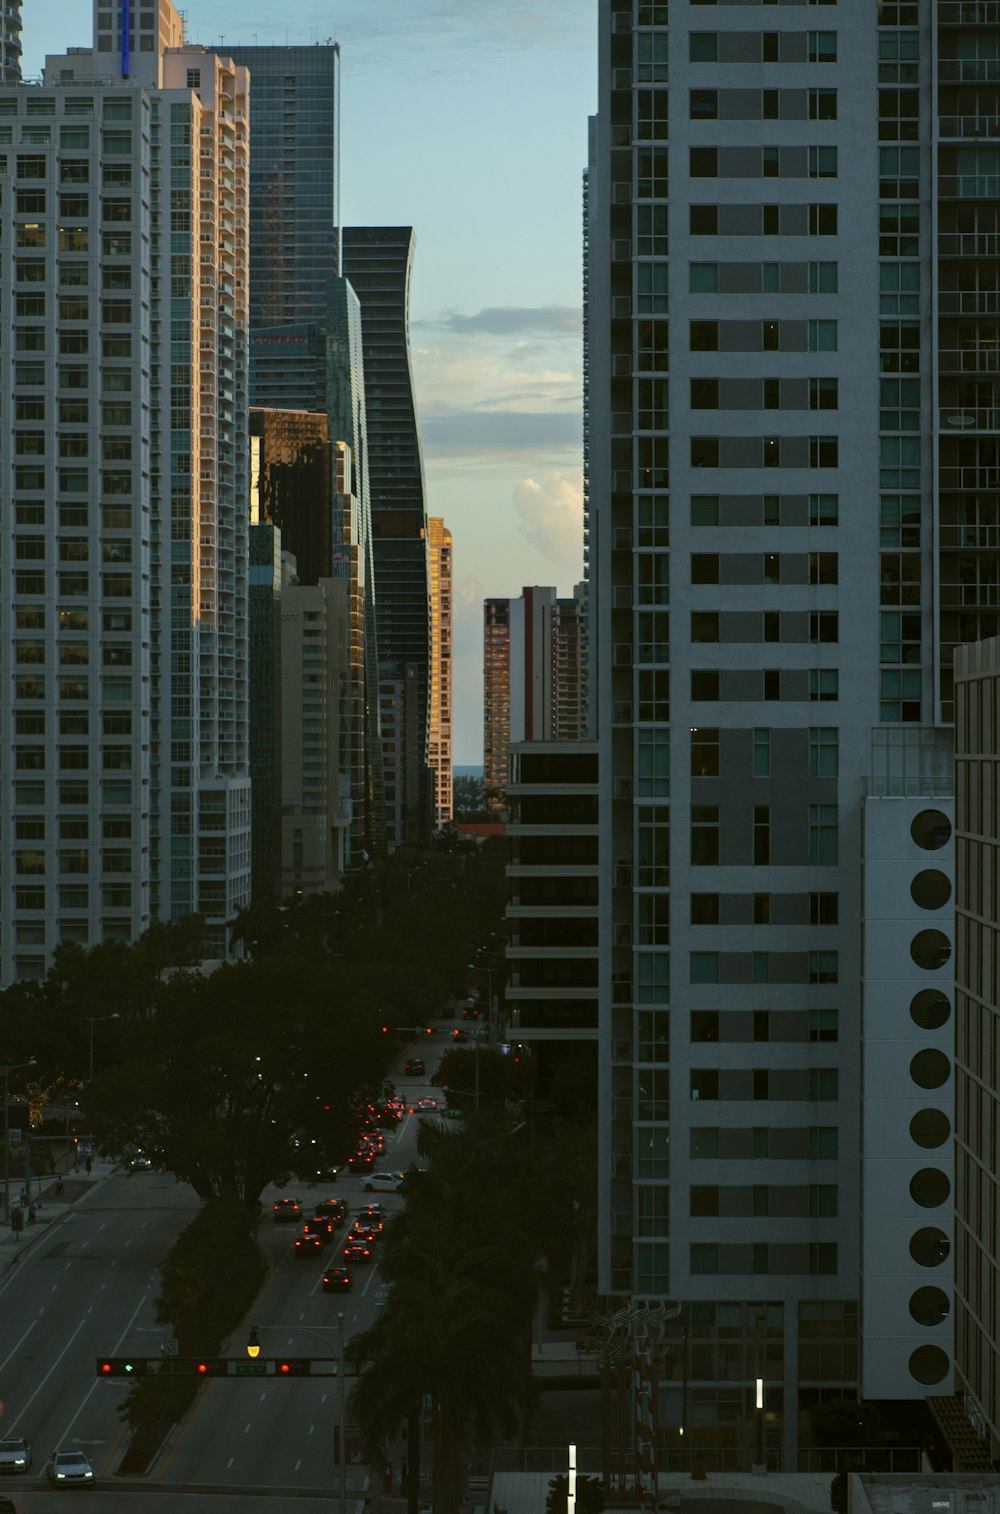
(14, 1135)
(250, 1369)
(170, 1348)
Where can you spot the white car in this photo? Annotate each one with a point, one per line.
(66, 1467)
(388, 1182)
(15, 1455)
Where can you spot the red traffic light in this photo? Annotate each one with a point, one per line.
(293, 1366)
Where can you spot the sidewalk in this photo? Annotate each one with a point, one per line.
(48, 1208)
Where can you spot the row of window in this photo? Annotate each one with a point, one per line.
(75, 207)
(755, 220)
(764, 568)
(761, 909)
(760, 967)
(768, 452)
(705, 746)
(812, 1201)
(760, 1025)
(765, 393)
(823, 847)
(762, 47)
(33, 897)
(762, 104)
(817, 1259)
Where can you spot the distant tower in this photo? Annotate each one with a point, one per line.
(10, 41)
(378, 261)
(439, 726)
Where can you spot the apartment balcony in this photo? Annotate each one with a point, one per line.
(969, 13)
(969, 302)
(969, 186)
(985, 359)
(968, 128)
(969, 70)
(968, 418)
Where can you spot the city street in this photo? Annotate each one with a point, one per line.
(87, 1286)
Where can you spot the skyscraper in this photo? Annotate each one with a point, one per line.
(534, 676)
(123, 494)
(306, 352)
(378, 261)
(10, 41)
(440, 713)
(791, 525)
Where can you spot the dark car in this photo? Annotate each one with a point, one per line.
(287, 1209)
(308, 1244)
(357, 1251)
(470, 1012)
(425, 1106)
(338, 1280)
(362, 1161)
(333, 1209)
(414, 1065)
(459, 1034)
(362, 1231)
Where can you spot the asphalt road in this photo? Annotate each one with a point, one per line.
(87, 1289)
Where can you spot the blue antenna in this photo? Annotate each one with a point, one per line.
(126, 12)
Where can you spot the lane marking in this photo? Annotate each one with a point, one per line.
(20, 1343)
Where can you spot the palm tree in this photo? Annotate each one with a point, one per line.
(445, 1334)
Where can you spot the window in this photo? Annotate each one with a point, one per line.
(704, 835)
(704, 684)
(823, 967)
(822, 278)
(704, 909)
(704, 567)
(651, 288)
(762, 753)
(823, 1024)
(704, 336)
(822, 220)
(761, 835)
(703, 47)
(824, 760)
(823, 451)
(823, 1142)
(822, 47)
(651, 231)
(822, 105)
(651, 58)
(704, 104)
(704, 752)
(703, 278)
(704, 1258)
(822, 162)
(824, 845)
(704, 394)
(824, 625)
(703, 220)
(823, 392)
(822, 567)
(823, 1083)
(703, 162)
(822, 337)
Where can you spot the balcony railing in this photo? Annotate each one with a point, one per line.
(964, 127)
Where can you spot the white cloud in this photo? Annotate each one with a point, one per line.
(550, 517)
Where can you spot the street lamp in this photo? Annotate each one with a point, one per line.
(93, 1020)
(11, 1067)
(253, 1351)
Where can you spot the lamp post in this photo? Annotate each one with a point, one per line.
(93, 1020)
(11, 1067)
(253, 1351)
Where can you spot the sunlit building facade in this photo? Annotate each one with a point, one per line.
(127, 715)
(439, 739)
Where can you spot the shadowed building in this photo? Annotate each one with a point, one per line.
(439, 741)
(378, 262)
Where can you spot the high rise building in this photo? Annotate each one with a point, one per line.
(535, 671)
(439, 738)
(306, 354)
(10, 41)
(294, 184)
(124, 483)
(791, 525)
(264, 613)
(496, 701)
(378, 261)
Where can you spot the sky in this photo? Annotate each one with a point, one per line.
(466, 119)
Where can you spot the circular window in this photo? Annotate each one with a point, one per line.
(930, 1127)
(929, 1306)
(930, 949)
(929, 1247)
(929, 1009)
(929, 1187)
(930, 830)
(930, 889)
(928, 1364)
(930, 1068)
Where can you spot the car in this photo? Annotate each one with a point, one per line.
(361, 1161)
(308, 1244)
(373, 1215)
(338, 1280)
(67, 1467)
(15, 1455)
(357, 1251)
(322, 1225)
(425, 1106)
(385, 1182)
(459, 1034)
(333, 1209)
(360, 1231)
(287, 1209)
(414, 1066)
(140, 1161)
(470, 1012)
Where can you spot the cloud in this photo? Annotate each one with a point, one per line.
(512, 320)
(550, 517)
(499, 433)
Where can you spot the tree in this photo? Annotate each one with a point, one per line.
(232, 1069)
(589, 1495)
(468, 794)
(844, 1422)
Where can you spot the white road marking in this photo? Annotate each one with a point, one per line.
(230, 1462)
(297, 1465)
(20, 1343)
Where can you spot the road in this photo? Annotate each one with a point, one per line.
(87, 1289)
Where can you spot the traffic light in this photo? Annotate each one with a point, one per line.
(211, 1366)
(292, 1366)
(121, 1366)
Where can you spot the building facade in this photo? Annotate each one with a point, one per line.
(977, 996)
(378, 261)
(789, 329)
(10, 41)
(125, 482)
(265, 707)
(440, 713)
(535, 674)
